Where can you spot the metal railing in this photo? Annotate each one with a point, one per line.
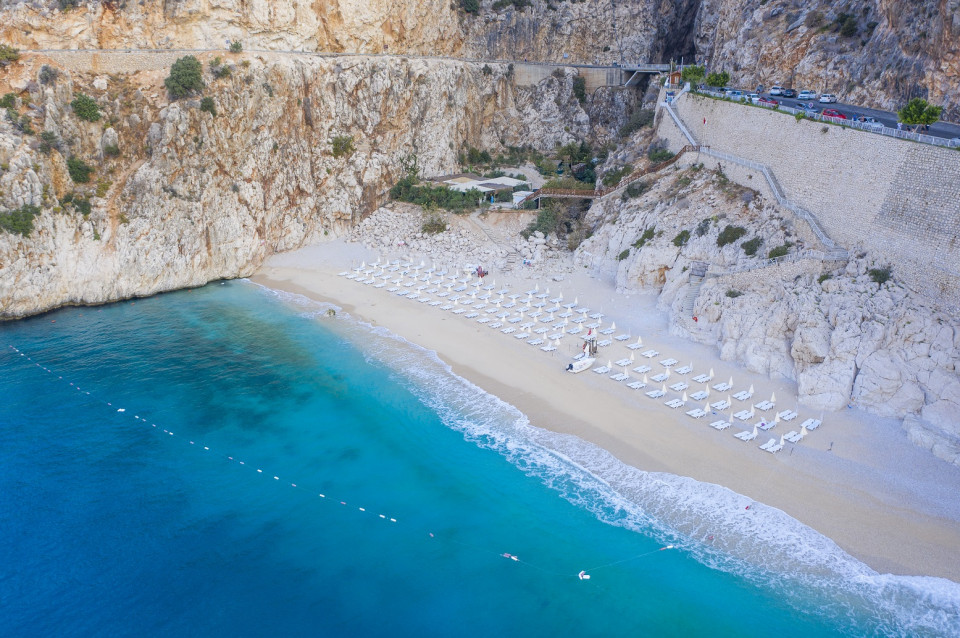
(815, 255)
(869, 127)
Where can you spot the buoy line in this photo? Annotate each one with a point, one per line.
(122, 411)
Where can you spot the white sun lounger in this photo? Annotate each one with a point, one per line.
(722, 387)
(548, 348)
(527, 325)
(744, 415)
(536, 342)
(508, 330)
(642, 369)
(472, 315)
(674, 403)
(435, 303)
(446, 307)
(579, 320)
(699, 396)
(793, 436)
(720, 425)
(622, 337)
(622, 362)
(680, 386)
(684, 370)
(743, 395)
(344, 273)
(776, 448)
(542, 331)
(565, 315)
(764, 405)
(607, 331)
(603, 343)
(459, 311)
(746, 435)
(593, 326)
(555, 336)
(655, 394)
(697, 413)
(787, 415)
(702, 378)
(636, 385)
(496, 324)
(602, 370)
(514, 320)
(510, 305)
(666, 363)
(381, 285)
(649, 354)
(766, 425)
(522, 335)
(811, 424)
(620, 377)
(769, 444)
(483, 320)
(575, 331)
(635, 346)
(720, 405)
(660, 378)
(393, 289)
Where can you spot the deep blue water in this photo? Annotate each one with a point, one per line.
(145, 522)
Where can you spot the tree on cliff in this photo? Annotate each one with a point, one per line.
(918, 111)
(186, 77)
(718, 79)
(692, 74)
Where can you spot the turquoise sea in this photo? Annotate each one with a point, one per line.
(228, 461)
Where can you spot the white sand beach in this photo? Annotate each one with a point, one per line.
(856, 479)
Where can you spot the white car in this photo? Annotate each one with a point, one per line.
(807, 95)
(828, 98)
(776, 90)
(754, 97)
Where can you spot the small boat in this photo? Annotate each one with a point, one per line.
(581, 364)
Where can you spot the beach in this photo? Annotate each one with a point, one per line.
(857, 479)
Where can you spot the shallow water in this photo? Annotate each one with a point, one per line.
(156, 521)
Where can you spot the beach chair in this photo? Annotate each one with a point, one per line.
(603, 343)
(811, 424)
(700, 396)
(722, 387)
(508, 330)
(697, 413)
(747, 435)
(679, 386)
(575, 331)
(514, 320)
(655, 394)
(622, 337)
(393, 289)
(483, 320)
(660, 378)
(636, 385)
(623, 362)
(542, 331)
(674, 403)
(593, 326)
(720, 425)
(555, 336)
(793, 436)
(602, 370)
(649, 354)
(446, 307)
(435, 303)
(345, 273)
(607, 331)
(642, 369)
(472, 315)
(635, 346)
(380, 285)
(620, 377)
(776, 447)
(720, 405)
(548, 348)
(536, 342)
(579, 320)
(496, 324)
(459, 311)
(766, 425)
(769, 444)
(787, 415)
(743, 395)
(522, 335)
(763, 405)
(744, 415)
(702, 378)
(666, 363)
(683, 370)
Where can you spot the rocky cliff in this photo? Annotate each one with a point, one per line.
(181, 196)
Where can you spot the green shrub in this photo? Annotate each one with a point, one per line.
(85, 107)
(658, 155)
(733, 294)
(580, 88)
(751, 245)
(612, 178)
(82, 205)
(718, 79)
(703, 227)
(638, 120)
(48, 142)
(681, 239)
(219, 69)
(623, 255)
(880, 275)
(8, 54)
(470, 6)
(111, 151)
(186, 77)
(486, 70)
(822, 278)
(799, 116)
(409, 190)
(206, 104)
(568, 183)
(779, 251)
(647, 235)
(79, 170)
(19, 220)
(433, 224)
(342, 145)
(635, 189)
(8, 101)
(48, 75)
(236, 46)
(730, 234)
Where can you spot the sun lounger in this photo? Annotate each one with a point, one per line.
(776, 448)
(743, 395)
(593, 326)
(435, 303)
(720, 405)
(655, 394)
(548, 348)
(603, 343)
(547, 320)
(542, 331)
(744, 415)
(622, 337)
(508, 330)
(607, 331)
(674, 403)
(635, 346)
(480, 306)
(409, 284)
(527, 325)
(459, 311)
(763, 405)
(811, 424)
(565, 315)
(446, 307)
(660, 378)
(380, 285)
(722, 387)
(649, 354)
(579, 320)
(700, 396)
(496, 324)
(787, 415)
(636, 385)
(536, 342)
(602, 370)
(622, 362)
(472, 315)
(642, 369)
(403, 293)
(769, 444)
(720, 425)
(746, 435)
(620, 377)
(514, 320)
(393, 289)
(510, 305)
(697, 413)
(483, 320)
(555, 336)
(702, 378)
(352, 275)
(793, 436)
(459, 288)
(575, 331)
(684, 370)
(680, 386)
(344, 273)
(766, 425)
(424, 299)
(666, 363)
(522, 335)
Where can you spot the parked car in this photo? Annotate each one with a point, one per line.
(807, 95)
(776, 90)
(808, 108)
(754, 97)
(828, 98)
(736, 95)
(955, 142)
(834, 113)
(766, 101)
(789, 93)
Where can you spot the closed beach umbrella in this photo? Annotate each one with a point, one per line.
(644, 379)
(730, 382)
(664, 387)
(631, 357)
(684, 398)
(751, 388)
(773, 398)
(803, 431)
(754, 431)
(613, 326)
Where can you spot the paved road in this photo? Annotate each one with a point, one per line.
(888, 119)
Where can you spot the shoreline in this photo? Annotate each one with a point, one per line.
(897, 523)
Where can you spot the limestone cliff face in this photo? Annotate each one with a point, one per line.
(891, 51)
(194, 197)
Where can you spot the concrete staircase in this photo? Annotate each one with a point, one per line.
(698, 272)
